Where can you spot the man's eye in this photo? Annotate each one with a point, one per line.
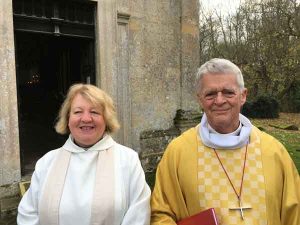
(210, 95)
(228, 93)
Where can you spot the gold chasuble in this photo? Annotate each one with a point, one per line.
(190, 179)
(215, 188)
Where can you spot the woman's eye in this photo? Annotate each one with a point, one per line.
(95, 112)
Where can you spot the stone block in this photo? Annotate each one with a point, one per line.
(8, 220)
(186, 119)
(9, 207)
(9, 190)
(153, 143)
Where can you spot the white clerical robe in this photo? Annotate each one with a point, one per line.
(132, 194)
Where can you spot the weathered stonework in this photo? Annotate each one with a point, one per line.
(186, 119)
(190, 53)
(147, 54)
(9, 137)
(154, 142)
(148, 61)
(160, 67)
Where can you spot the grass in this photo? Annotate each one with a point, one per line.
(289, 138)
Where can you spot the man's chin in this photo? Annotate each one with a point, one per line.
(221, 121)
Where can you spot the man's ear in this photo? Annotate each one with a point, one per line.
(199, 100)
(244, 95)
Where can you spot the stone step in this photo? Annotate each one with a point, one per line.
(9, 201)
(8, 207)
(8, 220)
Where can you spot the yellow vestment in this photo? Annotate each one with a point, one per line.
(177, 193)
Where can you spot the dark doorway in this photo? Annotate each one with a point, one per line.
(46, 67)
(54, 42)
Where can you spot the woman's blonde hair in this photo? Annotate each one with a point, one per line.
(97, 97)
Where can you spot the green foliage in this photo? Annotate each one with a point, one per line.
(262, 107)
(291, 102)
(296, 98)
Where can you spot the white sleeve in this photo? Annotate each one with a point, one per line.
(138, 212)
(28, 207)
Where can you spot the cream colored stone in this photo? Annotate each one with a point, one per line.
(147, 53)
(9, 135)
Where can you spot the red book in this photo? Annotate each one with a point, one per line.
(206, 217)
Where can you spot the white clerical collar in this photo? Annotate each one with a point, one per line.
(237, 139)
(234, 133)
(103, 144)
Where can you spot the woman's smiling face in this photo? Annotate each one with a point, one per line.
(86, 122)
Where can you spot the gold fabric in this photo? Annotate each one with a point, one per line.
(176, 192)
(215, 189)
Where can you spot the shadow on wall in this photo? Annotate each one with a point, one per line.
(154, 142)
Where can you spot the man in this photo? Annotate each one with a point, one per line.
(225, 162)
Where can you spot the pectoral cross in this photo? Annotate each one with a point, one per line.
(240, 208)
(238, 195)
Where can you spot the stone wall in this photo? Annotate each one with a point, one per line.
(154, 142)
(163, 57)
(148, 54)
(190, 51)
(9, 136)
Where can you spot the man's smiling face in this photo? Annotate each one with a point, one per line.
(221, 99)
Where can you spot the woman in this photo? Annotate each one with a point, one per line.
(91, 179)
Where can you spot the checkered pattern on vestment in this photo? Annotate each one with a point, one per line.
(215, 190)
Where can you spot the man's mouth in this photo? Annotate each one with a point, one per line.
(220, 110)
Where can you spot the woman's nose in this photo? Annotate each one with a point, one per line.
(86, 117)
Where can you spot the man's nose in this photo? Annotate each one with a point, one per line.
(220, 99)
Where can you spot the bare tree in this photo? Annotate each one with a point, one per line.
(263, 38)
